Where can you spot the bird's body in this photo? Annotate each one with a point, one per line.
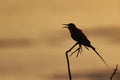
(81, 38)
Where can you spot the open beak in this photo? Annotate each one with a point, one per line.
(65, 26)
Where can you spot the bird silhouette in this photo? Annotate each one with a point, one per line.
(81, 39)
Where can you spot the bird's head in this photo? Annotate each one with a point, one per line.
(70, 25)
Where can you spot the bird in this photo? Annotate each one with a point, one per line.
(81, 39)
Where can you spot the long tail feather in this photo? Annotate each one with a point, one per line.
(100, 57)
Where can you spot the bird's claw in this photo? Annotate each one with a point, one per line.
(86, 47)
(79, 51)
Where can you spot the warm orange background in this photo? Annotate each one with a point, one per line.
(33, 42)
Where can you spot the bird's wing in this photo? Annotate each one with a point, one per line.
(83, 38)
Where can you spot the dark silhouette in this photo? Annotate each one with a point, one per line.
(115, 70)
(81, 39)
(68, 64)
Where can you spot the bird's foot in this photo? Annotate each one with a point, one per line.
(73, 52)
(79, 51)
(86, 47)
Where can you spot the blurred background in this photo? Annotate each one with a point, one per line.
(33, 42)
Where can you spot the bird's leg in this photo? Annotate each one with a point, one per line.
(79, 50)
(86, 47)
(72, 47)
(74, 52)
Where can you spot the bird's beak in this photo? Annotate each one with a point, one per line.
(65, 26)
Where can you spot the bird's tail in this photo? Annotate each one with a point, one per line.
(100, 56)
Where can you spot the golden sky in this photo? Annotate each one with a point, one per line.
(32, 40)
